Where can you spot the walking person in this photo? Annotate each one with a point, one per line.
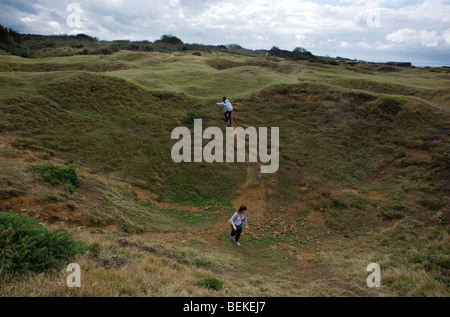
(228, 109)
(236, 221)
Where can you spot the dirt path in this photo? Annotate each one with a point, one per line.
(252, 193)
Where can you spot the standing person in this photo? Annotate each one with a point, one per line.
(236, 224)
(228, 109)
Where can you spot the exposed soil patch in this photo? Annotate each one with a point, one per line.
(253, 195)
(316, 216)
(51, 213)
(375, 196)
(306, 257)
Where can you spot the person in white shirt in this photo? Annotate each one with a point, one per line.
(236, 221)
(228, 109)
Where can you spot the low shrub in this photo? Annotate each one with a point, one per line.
(27, 246)
(192, 115)
(211, 283)
(390, 105)
(59, 175)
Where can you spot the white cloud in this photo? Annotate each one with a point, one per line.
(402, 36)
(447, 36)
(364, 45)
(422, 38)
(53, 24)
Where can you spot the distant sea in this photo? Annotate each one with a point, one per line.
(432, 64)
(416, 63)
(420, 63)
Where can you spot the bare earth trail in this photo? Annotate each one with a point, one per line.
(251, 194)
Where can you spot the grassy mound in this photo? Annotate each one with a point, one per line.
(335, 136)
(97, 67)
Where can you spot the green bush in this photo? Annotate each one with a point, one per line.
(211, 283)
(390, 105)
(59, 175)
(27, 246)
(170, 39)
(51, 198)
(192, 115)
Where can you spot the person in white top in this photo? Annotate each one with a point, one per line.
(236, 221)
(228, 109)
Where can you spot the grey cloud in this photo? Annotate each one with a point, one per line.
(19, 5)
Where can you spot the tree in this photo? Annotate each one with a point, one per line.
(299, 50)
(233, 46)
(300, 53)
(170, 39)
(5, 37)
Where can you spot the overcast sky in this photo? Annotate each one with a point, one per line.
(415, 31)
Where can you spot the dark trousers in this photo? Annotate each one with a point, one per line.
(228, 116)
(237, 233)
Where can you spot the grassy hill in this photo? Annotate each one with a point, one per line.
(364, 174)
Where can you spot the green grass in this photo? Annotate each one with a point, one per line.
(340, 138)
(349, 213)
(100, 130)
(211, 283)
(31, 144)
(340, 127)
(411, 245)
(193, 76)
(65, 176)
(185, 220)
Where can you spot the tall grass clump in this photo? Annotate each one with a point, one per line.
(210, 283)
(59, 175)
(390, 105)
